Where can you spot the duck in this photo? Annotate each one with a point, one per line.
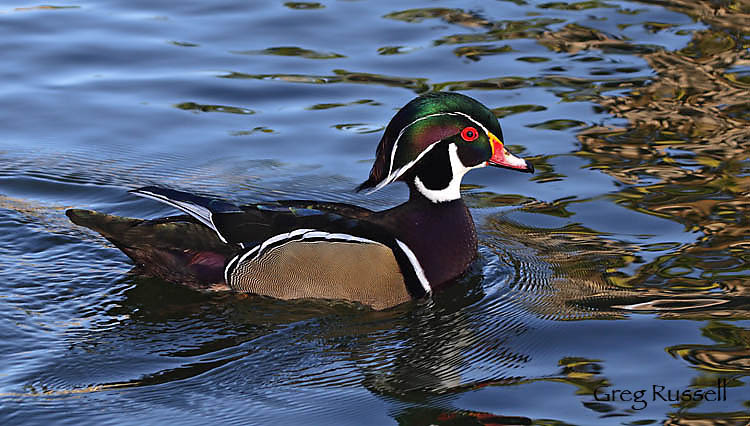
(305, 249)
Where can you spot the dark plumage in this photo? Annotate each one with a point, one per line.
(308, 249)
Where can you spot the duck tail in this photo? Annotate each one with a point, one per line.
(177, 249)
(111, 227)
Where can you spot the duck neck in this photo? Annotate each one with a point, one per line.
(451, 192)
(441, 234)
(439, 179)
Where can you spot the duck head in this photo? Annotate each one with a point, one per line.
(434, 140)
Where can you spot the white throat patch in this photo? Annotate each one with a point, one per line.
(453, 190)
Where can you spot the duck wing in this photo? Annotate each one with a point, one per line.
(302, 242)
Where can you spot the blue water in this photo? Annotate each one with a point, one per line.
(621, 264)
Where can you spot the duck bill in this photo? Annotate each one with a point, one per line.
(502, 158)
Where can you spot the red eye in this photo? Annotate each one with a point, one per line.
(469, 134)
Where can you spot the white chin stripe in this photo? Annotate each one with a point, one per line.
(453, 190)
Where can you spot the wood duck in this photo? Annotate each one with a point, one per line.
(307, 249)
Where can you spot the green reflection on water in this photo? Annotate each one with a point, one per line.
(292, 51)
(196, 107)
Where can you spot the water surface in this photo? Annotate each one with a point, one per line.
(621, 264)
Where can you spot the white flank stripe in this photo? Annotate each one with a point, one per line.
(226, 269)
(278, 238)
(330, 236)
(258, 250)
(416, 265)
(238, 259)
(310, 234)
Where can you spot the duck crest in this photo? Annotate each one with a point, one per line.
(419, 127)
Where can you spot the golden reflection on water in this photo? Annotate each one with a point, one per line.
(44, 391)
(683, 156)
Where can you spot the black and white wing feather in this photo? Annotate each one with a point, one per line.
(202, 208)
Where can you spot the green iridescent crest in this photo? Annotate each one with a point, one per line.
(420, 124)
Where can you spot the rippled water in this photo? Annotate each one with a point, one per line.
(622, 264)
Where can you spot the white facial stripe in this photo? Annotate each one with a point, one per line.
(393, 175)
(401, 170)
(453, 190)
(416, 265)
(395, 143)
(486, 132)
